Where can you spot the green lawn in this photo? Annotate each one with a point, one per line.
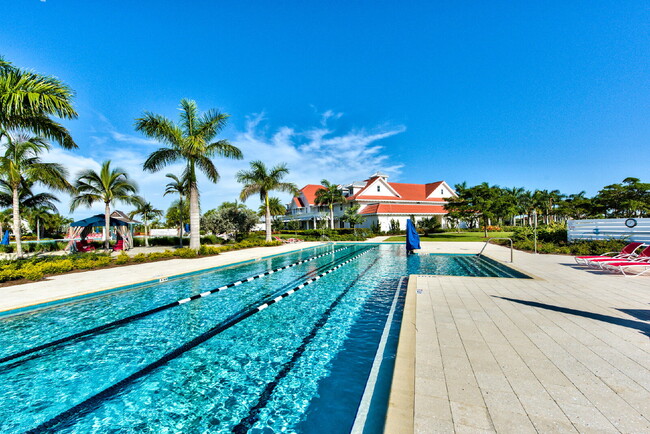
(453, 236)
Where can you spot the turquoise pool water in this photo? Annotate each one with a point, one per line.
(298, 365)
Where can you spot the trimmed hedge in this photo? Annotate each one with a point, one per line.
(35, 268)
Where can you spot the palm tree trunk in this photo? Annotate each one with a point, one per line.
(195, 236)
(180, 216)
(16, 210)
(107, 225)
(38, 229)
(267, 218)
(146, 233)
(331, 216)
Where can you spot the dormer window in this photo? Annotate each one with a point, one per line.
(379, 188)
(442, 191)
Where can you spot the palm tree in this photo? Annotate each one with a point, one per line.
(28, 99)
(259, 180)
(329, 195)
(352, 216)
(178, 186)
(107, 186)
(191, 141)
(275, 206)
(21, 164)
(148, 212)
(40, 214)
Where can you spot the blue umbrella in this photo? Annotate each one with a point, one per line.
(412, 237)
(5, 239)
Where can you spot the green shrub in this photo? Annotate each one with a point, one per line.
(31, 272)
(140, 257)
(161, 255)
(56, 267)
(209, 250)
(185, 253)
(122, 258)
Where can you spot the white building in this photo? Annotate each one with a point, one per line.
(380, 202)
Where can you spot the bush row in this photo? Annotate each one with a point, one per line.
(36, 268)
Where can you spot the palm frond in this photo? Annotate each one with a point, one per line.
(161, 158)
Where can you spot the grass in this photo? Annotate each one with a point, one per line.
(453, 236)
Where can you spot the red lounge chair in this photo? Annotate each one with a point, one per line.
(642, 261)
(119, 245)
(627, 252)
(84, 246)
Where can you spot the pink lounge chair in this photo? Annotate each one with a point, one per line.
(119, 245)
(84, 246)
(626, 253)
(641, 261)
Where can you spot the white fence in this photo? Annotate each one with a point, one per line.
(632, 229)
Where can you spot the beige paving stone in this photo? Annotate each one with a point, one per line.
(558, 353)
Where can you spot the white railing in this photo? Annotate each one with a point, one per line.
(631, 229)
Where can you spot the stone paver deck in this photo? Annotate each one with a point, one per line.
(568, 351)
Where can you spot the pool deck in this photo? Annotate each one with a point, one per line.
(64, 286)
(567, 351)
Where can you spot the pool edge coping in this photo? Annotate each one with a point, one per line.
(400, 415)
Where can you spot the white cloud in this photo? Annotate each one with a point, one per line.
(314, 153)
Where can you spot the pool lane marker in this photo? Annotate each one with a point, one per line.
(369, 390)
(146, 313)
(246, 423)
(89, 404)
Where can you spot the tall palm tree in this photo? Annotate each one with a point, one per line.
(191, 140)
(20, 164)
(329, 195)
(28, 100)
(148, 213)
(178, 186)
(110, 185)
(259, 180)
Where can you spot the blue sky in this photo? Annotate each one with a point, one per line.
(548, 95)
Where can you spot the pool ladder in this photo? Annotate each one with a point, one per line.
(511, 248)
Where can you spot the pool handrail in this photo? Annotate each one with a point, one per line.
(499, 238)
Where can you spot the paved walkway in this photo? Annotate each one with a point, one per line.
(565, 352)
(75, 284)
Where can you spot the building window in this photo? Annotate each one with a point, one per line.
(341, 208)
(442, 191)
(379, 188)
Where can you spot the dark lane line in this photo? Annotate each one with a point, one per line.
(146, 313)
(64, 419)
(253, 413)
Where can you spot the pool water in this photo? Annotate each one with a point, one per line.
(298, 365)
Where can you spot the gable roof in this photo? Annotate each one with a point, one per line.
(309, 191)
(410, 192)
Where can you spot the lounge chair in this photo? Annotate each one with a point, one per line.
(84, 246)
(283, 241)
(641, 261)
(119, 245)
(627, 252)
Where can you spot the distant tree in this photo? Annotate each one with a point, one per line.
(148, 212)
(430, 225)
(329, 195)
(631, 198)
(260, 180)
(231, 218)
(352, 216)
(21, 165)
(109, 185)
(178, 186)
(191, 141)
(275, 205)
(480, 202)
(177, 211)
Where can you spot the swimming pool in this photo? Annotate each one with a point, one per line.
(283, 344)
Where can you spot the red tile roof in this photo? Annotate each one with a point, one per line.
(410, 192)
(309, 191)
(297, 202)
(381, 208)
